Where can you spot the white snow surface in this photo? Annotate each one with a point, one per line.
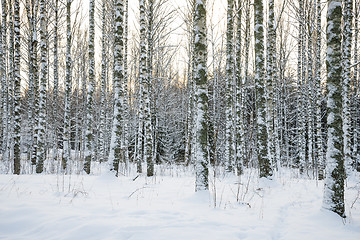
(166, 207)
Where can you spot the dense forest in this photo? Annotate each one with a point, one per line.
(277, 86)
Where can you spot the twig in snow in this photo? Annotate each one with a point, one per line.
(136, 177)
(135, 191)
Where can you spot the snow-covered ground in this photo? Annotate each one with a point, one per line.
(166, 207)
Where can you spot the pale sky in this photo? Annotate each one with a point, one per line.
(216, 16)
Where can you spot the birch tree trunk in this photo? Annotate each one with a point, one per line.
(126, 91)
(270, 79)
(143, 95)
(102, 127)
(11, 92)
(116, 132)
(41, 151)
(89, 142)
(356, 112)
(346, 76)
(148, 94)
(229, 145)
(201, 99)
(319, 154)
(301, 101)
(17, 86)
(31, 9)
(56, 79)
(246, 76)
(240, 150)
(335, 172)
(4, 81)
(68, 86)
(262, 138)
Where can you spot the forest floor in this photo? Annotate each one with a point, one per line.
(165, 206)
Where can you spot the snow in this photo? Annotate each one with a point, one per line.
(166, 207)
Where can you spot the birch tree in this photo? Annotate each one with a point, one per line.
(319, 142)
(4, 80)
(41, 151)
(31, 12)
(335, 173)
(148, 94)
(142, 137)
(68, 85)
(90, 92)
(240, 149)
(355, 110)
(56, 78)
(246, 72)
(201, 101)
(11, 86)
(116, 132)
(262, 139)
(270, 79)
(102, 127)
(17, 86)
(300, 129)
(346, 76)
(229, 148)
(126, 90)
(188, 19)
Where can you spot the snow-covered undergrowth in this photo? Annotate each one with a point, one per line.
(166, 207)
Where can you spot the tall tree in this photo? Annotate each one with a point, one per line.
(91, 87)
(335, 172)
(56, 78)
(4, 80)
(319, 138)
(11, 81)
(102, 127)
(229, 148)
(356, 112)
(68, 86)
(126, 90)
(261, 133)
(17, 86)
(300, 128)
(148, 93)
(240, 150)
(41, 151)
(142, 87)
(189, 20)
(270, 79)
(31, 12)
(201, 99)
(246, 72)
(116, 133)
(346, 76)
(309, 90)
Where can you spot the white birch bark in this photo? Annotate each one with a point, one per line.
(346, 75)
(89, 136)
(335, 173)
(229, 144)
(4, 81)
(319, 153)
(201, 101)
(148, 94)
(68, 85)
(41, 151)
(117, 126)
(261, 133)
(17, 86)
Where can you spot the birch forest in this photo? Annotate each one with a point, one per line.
(221, 86)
